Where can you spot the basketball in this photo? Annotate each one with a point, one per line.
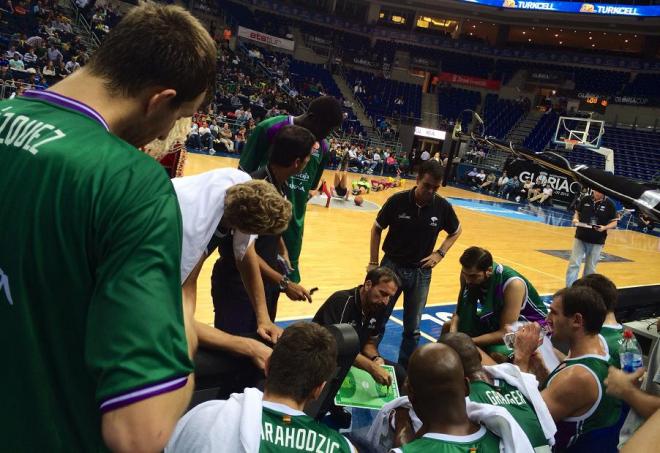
(358, 200)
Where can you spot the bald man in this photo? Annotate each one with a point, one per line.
(437, 390)
(487, 390)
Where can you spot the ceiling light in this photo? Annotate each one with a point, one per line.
(593, 45)
(524, 33)
(556, 35)
(474, 26)
(529, 40)
(635, 36)
(590, 38)
(626, 40)
(561, 42)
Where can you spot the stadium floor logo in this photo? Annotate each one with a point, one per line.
(340, 203)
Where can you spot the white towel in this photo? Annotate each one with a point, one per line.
(494, 418)
(381, 432)
(529, 387)
(202, 203)
(233, 426)
(498, 421)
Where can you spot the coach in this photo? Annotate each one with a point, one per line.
(414, 218)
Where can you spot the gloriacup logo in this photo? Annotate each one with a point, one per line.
(558, 183)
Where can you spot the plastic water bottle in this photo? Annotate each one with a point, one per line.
(630, 354)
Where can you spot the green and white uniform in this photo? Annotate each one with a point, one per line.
(612, 337)
(255, 155)
(512, 399)
(287, 430)
(90, 248)
(483, 441)
(479, 310)
(603, 416)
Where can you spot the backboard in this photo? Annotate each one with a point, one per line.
(585, 132)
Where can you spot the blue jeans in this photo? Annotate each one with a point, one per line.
(590, 253)
(415, 284)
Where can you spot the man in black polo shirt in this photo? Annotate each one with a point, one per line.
(365, 308)
(290, 152)
(414, 218)
(599, 212)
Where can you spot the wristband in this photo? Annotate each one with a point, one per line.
(441, 253)
(284, 283)
(375, 263)
(376, 357)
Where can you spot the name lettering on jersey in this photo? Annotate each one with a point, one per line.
(4, 287)
(300, 439)
(24, 133)
(515, 398)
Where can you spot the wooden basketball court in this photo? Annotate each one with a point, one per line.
(336, 249)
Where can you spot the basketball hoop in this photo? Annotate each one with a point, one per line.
(570, 143)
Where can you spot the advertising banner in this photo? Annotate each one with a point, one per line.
(469, 81)
(264, 38)
(564, 188)
(607, 9)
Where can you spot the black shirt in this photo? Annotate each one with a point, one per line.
(594, 212)
(345, 307)
(413, 230)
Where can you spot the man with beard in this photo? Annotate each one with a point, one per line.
(492, 295)
(364, 307)
(414, 219)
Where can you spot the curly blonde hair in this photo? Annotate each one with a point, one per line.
(159, 148)
(256, 207)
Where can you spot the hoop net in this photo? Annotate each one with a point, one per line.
(569, 143)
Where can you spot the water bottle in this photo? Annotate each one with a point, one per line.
(630, 354)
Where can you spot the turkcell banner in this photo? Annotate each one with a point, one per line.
(264, 38)
(607, 9)
(564, 189)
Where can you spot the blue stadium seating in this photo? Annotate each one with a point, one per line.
(451, 101)
(381, 93)
(500, 115)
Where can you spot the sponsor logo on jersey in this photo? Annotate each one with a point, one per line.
(434, 222)
(404, 216)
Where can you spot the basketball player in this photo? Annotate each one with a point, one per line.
(93, 341)
(586, 417)
(437, 391)
(323, 116)
(302, 362)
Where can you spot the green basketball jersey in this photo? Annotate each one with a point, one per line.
(479, 310)
(255, 155)
(604, 414)
(613, 336)
(512, 399)
(90, 297)
(286, 430)
(483, 441)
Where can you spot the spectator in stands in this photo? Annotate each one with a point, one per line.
(16, 64)
(391, 165)
(365, 308)
(437, 391)
(512, 187)
(72, 65)
(54, 54)
(491, 297)
(409, 245)
(470, 177)
(600, 214)
(504, 385)
(501, 182)
(116, 386)
(30, 58)
(425, 156)
(480, 178)
(543, 196)
(574, 392)
(226, 137)
(490, 183)
(206, 138)
(525, 190)
(12, 52)
(611, 331)
(302, 362)
(194, 140)
(49, 69)
(239, 139)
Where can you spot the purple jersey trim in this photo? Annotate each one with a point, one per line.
(143, 393)
(67, 102)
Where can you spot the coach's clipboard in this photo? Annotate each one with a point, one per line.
(359, 389)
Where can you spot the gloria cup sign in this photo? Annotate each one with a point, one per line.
(264, 38)
(564, 188)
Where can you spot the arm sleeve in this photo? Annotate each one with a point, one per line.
(451, 223)
(135, 346)
(384, 217)
(254, 151)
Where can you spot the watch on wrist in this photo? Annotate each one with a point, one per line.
(441, 252)
(284, 283)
